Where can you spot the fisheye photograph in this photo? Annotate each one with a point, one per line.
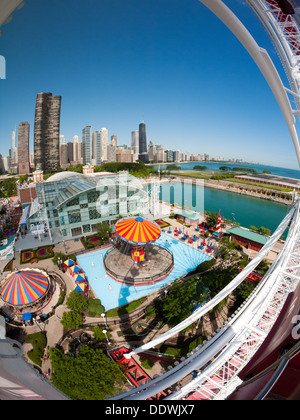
(149, 203)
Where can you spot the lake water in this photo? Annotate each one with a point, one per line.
(246, 210)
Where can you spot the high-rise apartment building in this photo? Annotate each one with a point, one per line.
(124, 155)
(77, 150)
(63, 155)
(70, 152)
(87, 145)
(113, 140)
(104, 143)
(23, 148)
(96, 147)
(111, 153)
(14, 156)
(135, 144)
(46, 131)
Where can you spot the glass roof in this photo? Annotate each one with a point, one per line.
(61, 190)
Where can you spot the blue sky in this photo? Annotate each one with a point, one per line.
(169, 62)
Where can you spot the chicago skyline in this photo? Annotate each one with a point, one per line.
(169, 72)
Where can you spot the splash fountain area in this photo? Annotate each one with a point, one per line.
(114, 294)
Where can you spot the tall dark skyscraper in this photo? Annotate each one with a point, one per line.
(46, 132)
(143, 155)
(142, 138)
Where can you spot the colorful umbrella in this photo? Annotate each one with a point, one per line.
(80, 287)
(76, 269)
(69, 262)
(24, 287)
(27, 316)
(80, 277)
(137, 231)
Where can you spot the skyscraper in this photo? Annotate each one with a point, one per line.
(13, 147)
(87, 144)
(143, 155)
(113, 140)
(23, 148)
(77, 150)
(104, 143)
(46, 131)
(96, 146)
(142, 138)
(135, 144)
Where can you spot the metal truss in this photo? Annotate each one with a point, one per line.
(285, 35)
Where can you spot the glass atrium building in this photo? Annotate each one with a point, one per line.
(72, 204)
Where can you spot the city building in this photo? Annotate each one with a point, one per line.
(70, 152)
(111, 153)
(77, 150)
(143, 152)
(96, 148)
(113, 140)
(160, 154)
(135, 144)
(169, 156)
(69, 204)
(23, 148)
(13, 148)
(151, 151)
(63, 155)
(87, 144)
(46, 132)
(124, 155)
(104, 143)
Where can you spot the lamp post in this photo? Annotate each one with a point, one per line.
(104, 319)
(105, 333)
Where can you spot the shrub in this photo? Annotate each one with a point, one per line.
(95, 307)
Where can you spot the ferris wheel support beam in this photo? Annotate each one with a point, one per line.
(262, 60)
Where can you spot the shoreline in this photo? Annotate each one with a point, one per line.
(244, 189)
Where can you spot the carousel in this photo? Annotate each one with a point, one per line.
(138, 232)
(26, 291)
(135, 259)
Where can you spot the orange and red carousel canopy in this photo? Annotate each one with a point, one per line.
(137, 231)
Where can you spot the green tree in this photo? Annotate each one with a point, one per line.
(264, 231)
(77, 302)
(71, 320)
(90, 375)
(103, 231)
(212, 220)
(8, 188)
(176, 306)
(99, 334)
(95, 307)
(199, 168)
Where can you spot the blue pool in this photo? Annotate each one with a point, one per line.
(113, 294)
